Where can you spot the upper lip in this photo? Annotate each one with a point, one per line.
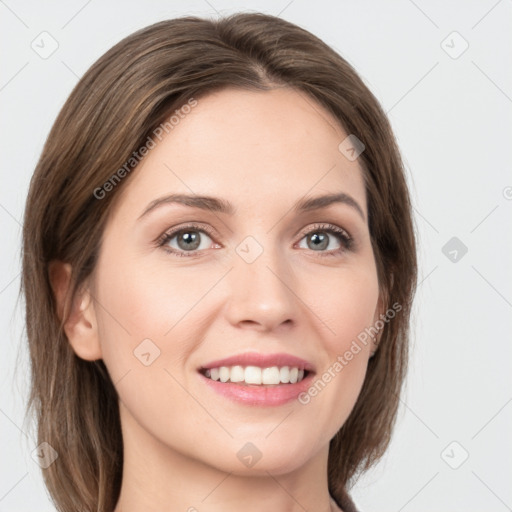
(262, 361)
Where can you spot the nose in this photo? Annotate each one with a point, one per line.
(261, 292)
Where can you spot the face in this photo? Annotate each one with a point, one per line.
(251, 276)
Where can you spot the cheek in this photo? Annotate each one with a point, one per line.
(346, 305)
(138, 302)
(147, 327)
(347, 309)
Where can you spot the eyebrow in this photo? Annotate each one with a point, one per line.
(218, 205)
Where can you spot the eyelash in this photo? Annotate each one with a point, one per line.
(346, 240)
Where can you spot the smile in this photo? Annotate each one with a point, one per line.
(255, 375)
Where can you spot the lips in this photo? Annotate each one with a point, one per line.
(258, 379)
(261, 361)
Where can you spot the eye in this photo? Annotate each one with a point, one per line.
(187, 239)
(327, 239)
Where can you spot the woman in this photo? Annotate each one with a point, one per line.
(219, 264)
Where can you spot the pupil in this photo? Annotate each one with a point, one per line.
(322, 240)
(191, 240)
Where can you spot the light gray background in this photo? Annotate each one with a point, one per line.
(452, 117)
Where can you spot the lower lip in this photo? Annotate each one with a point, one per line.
(253, 394)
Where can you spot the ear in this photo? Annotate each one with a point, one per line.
(77, 313)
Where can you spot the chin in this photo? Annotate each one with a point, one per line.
(263, 454)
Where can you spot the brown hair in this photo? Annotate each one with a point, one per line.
(110, 113)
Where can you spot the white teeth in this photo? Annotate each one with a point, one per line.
(237, 374)
(284, 374)
(255, 375)
(224, 373)
(252, 375)
(270, 375)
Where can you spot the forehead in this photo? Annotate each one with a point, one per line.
(249, 147)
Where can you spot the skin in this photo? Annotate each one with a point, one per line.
(262, 151)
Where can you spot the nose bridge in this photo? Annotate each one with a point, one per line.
(260, 287)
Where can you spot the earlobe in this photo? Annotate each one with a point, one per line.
(77, 314)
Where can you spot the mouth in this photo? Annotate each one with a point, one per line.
(258, 379)
(256, 376)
